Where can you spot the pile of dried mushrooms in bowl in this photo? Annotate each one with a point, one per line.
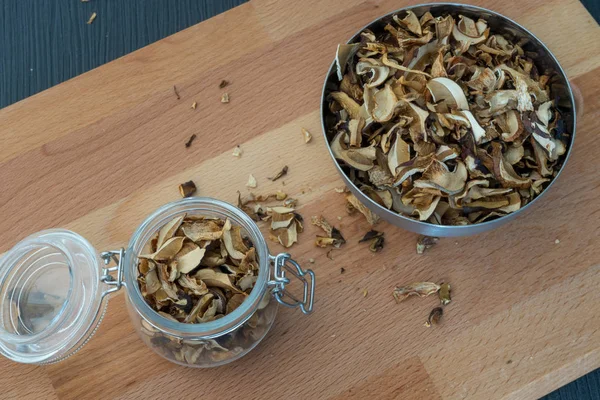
(442, 120)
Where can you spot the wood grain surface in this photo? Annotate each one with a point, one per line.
(98, 153)
(43, 43)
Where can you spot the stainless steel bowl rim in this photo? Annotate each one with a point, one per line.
(427, 227)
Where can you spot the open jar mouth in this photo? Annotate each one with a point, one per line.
(49, 286)
(205, 207)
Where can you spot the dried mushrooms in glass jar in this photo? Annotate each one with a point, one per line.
(196, 270)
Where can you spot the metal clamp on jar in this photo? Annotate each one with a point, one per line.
(54, 289)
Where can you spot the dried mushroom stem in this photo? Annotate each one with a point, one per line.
(190, 141)
(187, 189)
(441, 119)
(280, 174)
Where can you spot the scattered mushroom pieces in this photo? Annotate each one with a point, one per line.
(307, 136)
(197, 269)
(375, 238)
(251, 181)
(333, 235)
(441, 119)
(377, 244)
(444, 294)
(285, 222)
(188, 144)
(225, 98)
(187, 189)
(237, 151)
(280, 174)
(434, 316)
(354, 204)
(223, 84)
(92, 18)
(425, 242)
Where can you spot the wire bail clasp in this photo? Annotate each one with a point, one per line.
(283, 263)
(115, 256)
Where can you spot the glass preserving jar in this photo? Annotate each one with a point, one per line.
(54, 289)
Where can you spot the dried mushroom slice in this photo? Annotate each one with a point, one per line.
(334, 236)
(375, 238)
(167, 250)
(425, 242)
(376, 71)
(421, 289)
(429, 103)
(355, 204)
(233, 241)
(167, 231)
(447, 95)
(202, 230)
(189, 257)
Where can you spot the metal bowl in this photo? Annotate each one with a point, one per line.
(498, 24)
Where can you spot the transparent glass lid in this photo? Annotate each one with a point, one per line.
(50, 296)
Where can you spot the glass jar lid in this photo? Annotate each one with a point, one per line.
(51, 297)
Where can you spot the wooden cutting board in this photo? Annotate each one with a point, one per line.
(100, 152)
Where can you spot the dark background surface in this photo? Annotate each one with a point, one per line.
(45, 42)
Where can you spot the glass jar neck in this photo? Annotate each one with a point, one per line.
(206, 207)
